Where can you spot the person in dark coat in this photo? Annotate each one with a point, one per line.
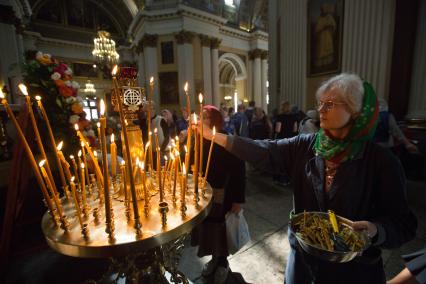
(341, 169)
(227, 178)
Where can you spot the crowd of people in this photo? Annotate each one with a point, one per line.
(333, 155)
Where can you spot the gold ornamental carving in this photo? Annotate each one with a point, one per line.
(215, 43)
(205, 40)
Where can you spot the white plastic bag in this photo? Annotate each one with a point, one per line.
(237, 232)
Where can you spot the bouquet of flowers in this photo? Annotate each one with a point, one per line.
(52, 80)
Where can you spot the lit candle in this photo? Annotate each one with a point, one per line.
(145, 192)
(98, 178)
(138, 224)
(176, 165)
(145, 158)
(113, 157)
(164, 174)
(200, 99)
(83, 188)
(75, 168)
(77, 206)
(124, 179)
(188, 102)
(210, 154)
(49, 186)
(98, 127)
(64, 162)
(158, 163)
(51, 138)
(24, 91)
(183, 184)
(102, 120)
(86, 169)
(148, 117)
(30, 155)
(89, 151)
(151, 156)
(196, 154)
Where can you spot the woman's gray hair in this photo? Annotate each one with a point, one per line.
(349, 88)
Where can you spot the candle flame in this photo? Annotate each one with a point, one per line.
(183, 168)
(147, 144)
(1, 94)
(98, 125)
(195, 118)
(125, 121)
(137, 160)
(82, 165)
(214, 130)
(23, 89)
(41, 164)
(177, 138)
(82, 144)
(200, 98)
(102, 107)
(112, 138)
(150, 133)
(165, 158)
(151, 80)
(155, 130)
(186, 149)
(79, 153)
(172, 156)
(59, 147)
(72, 178)
(76, 126)
(123, 162)
(38, 98)
(95, 153)
(185, 88)
(114, 70)
(142, 165)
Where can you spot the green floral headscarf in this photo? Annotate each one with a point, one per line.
(363, 128)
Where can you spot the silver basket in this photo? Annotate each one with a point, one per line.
(332, 256)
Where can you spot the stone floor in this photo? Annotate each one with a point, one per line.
(260, 261)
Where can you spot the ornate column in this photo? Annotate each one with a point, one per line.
(149, 44)
(257, 84)
(185, 62)
(215, 42)
(141, 64)
(264, 78)
(207, 68)
(11, 45)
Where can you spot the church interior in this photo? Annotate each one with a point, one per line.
(96, 68)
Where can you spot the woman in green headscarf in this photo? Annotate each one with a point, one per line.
(339, 168)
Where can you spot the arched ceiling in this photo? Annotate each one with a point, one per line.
(78, 20)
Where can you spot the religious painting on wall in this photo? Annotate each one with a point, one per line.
(168, 88)
(325, 27)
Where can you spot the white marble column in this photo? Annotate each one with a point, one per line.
(149, 42)
(417, 99)
(207, 68)
(264, 78)
(141, 69)
(257, 79)
(250, 78)
(185, 62)
(215, 72)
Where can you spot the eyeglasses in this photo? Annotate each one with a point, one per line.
(327, 106)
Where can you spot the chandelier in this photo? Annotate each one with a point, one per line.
(104, 51)
(90, 88)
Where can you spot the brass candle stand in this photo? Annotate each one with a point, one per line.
(144, 256)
